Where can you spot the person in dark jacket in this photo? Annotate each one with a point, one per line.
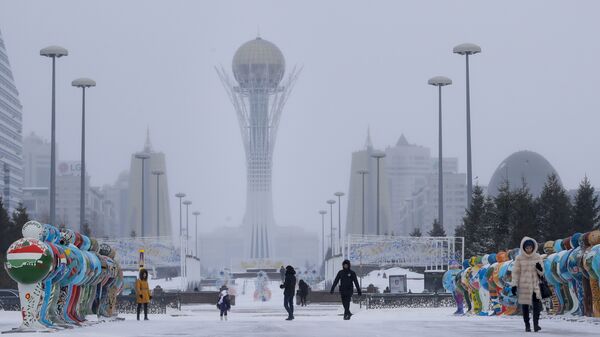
(224, 303)
(347, 279)
(282, 274)
(303, 287)
(289, 289)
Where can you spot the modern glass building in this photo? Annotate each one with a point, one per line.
(11, 142)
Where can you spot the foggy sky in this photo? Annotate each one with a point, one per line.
(365, 63)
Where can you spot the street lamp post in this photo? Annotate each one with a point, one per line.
(322, 212)
(331, 202)
(362, 173)
(157, 173)
(187, 204)
(143, 157)
(180, 196)
(181, 252)
(54, 52)
(440, 81)
(82, 83)
(378, 155)
(339, 195)
(196, 213)
(468, 49)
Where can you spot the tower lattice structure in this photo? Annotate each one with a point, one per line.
(258, 95)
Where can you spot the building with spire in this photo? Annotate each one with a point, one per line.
(363, 160)
(11, 142)
(148, 224)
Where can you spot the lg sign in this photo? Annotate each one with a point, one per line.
(69, 168)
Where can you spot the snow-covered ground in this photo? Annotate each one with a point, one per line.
(267, 320)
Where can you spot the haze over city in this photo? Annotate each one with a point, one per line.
(364, 65)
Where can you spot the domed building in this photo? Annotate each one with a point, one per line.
(529, 166)
(258, 62)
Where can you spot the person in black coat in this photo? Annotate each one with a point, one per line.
(347, 279)
(289, 289)
(224, 303)
(282, 274)
(303, 287)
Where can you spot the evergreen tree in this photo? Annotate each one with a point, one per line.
(522, 220)
(416, 233)
(553, 211)
(437, 230)
(503, 212)
(586, 210)
(7, 229)
(487, 241)
(472, 226)
(86, 230)
(20, 216)
(9, 233)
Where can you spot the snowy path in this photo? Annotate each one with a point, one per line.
(267, 320)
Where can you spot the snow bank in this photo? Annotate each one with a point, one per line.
(415, 281)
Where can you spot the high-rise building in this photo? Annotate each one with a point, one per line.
(363, 160)
(133, 223)
(118, 196)
(408, 167)
(413, 183)
(11, 142)
(36, 161)
(258, 97)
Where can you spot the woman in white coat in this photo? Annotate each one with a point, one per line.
(527, 269)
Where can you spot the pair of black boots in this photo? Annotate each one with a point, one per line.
(536, 317)
(347, 316)
(290, 318)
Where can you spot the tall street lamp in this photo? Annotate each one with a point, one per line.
(323, 212)
(331, 202)
(339, 195)
(180, 196)
(468, 49)
(143, 157)
(196, 213)
(440, 81)
(362, 173)
(157, 173)
(378, 155)
(187, 204)
(53, 52)
(82, 83)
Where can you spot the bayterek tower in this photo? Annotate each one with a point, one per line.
(258, 96)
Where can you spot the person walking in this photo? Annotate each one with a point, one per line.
(142, 293)
(527, 269)
(347, 279)
(224, 304)
(282, 273)
(303, 287)
(289, 289)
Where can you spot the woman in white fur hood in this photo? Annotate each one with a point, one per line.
(527, 269)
